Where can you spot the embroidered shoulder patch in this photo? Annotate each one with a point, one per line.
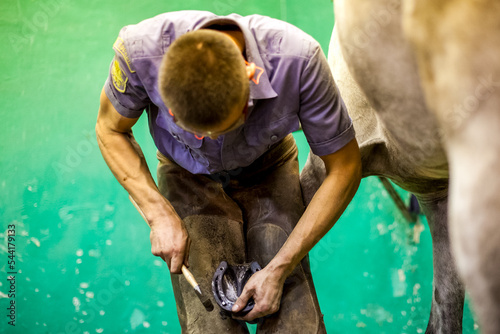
(119, 77)
(119, 46)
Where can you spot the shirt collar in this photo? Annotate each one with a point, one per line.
(260, 87)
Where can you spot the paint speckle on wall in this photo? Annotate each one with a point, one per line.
(76, 303)
(94, 253)
(418, 228)
(137, 318)
(35, 241)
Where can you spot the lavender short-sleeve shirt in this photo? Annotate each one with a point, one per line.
(292, 84)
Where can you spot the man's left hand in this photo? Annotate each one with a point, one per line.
(265, 288)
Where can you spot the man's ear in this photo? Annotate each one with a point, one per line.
(250, 70)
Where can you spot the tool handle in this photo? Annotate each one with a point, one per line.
(185, 270)
(189, 277)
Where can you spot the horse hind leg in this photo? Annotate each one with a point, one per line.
(460, 74)
(448, 291)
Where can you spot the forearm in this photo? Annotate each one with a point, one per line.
(126, 161)
(325, 209)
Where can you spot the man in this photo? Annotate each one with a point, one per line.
(223, 95)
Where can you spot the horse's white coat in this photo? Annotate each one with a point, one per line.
(421, 82)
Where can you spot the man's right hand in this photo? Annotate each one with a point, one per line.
(170, 241)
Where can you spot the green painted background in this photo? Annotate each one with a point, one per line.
(82, 252)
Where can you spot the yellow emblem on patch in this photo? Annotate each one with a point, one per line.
(119, 77)
(119, 46)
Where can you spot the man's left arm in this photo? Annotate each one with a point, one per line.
(343, 175)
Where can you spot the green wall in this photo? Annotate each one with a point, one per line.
(82, 253)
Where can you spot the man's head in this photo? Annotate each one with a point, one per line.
(204, 81)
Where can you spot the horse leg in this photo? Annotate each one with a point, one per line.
(461, 77)
(448, 291)
(475, 212)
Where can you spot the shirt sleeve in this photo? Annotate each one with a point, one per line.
(323, 115)
(123, 86)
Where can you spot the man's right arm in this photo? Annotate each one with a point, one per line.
(124, 157)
